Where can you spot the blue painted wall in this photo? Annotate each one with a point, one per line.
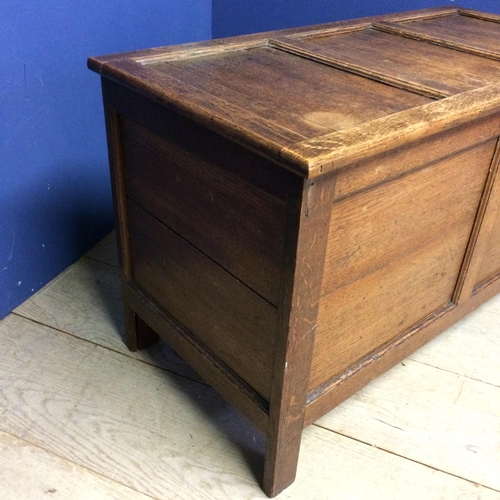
(238, 17)
(54, 185)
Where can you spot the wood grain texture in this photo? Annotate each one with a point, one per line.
(256, 128)
(375, 475)
(307, 231)
(222, 378)
(403, 160)
(470, 347)
(230, 80)
(231, 320)
(238, 225)
(337, 150)
(202, 143)
(406, 63)
(393, 418)
(218, 114)
(391, 353)
(490, 264)
(86, 302)
(357, 318)
(481, 231)
(331, 98)
(487, 259)
(105, 412)
(222, 45)
(115, 157)
(209, 47)
(31, 473)
(461, 32)
(382, 224)
(229, 161)
(59, 403)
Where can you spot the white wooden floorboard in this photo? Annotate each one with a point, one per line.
(471, 347)
(106, 250)
(124, 419)
(86, 302)
(347, 469)
(169, 437)
(432, 416)
(31, 473)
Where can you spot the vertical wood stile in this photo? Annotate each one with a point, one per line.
(138, 334)
(481, 230)
(307, 237)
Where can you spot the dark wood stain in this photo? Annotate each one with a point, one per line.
(299, 210)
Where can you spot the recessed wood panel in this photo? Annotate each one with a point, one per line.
(404, 60)
(361, 316)
(462, 30)
(370, 229)
(297, 90)
(233, 322)
(236, 223)
(394, 255)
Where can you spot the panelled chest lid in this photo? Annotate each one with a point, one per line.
(315, 99)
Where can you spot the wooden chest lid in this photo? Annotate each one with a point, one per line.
(315, 99)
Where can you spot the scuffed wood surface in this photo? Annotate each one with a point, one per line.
(336, 150)
(31, 473)
(85, 301)
(400, 61)
(429, 415)
(173, 438)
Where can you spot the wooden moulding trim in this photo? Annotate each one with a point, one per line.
(487, 130)
(156, 54)
(352, 27)
(307, 51)
(215, 113)
(331, 394)
(113, 132)
(182, 51)
(208, 366)
(485, 284)
(360, 24)
(373, 356)
(313, 157)
(402, 30)
(331, 152)
(201, 51)
(363, 22)
(485, 16)
(481, 230)
(423, 15)
(307, 158)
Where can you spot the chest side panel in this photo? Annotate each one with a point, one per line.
(204, 237)
(222, 313)
(394, 255)
(229, 202)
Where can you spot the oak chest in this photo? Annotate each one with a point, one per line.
(300, 210)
